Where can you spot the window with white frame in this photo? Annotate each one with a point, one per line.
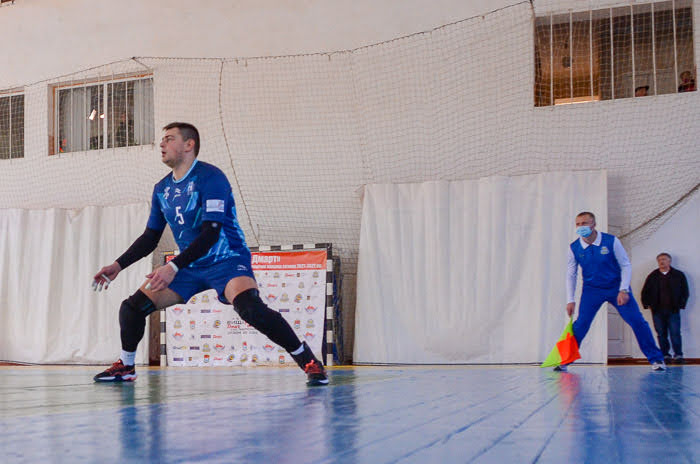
(100, 115)
(11, 126)
(620, 52)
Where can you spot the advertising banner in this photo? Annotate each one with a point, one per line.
(206, 332)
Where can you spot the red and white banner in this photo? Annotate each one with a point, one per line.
(205, 332)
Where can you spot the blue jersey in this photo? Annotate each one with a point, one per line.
(203, 194)
(599, 266)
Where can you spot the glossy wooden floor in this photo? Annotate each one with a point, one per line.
(594, 414)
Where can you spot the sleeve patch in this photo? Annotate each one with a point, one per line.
(215, 206)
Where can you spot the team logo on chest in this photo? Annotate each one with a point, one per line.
(604, 250)
(190, 188)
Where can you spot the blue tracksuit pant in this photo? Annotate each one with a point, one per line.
(592, 299)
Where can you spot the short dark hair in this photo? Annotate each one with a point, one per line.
(586, 213)
(188, 132)
(664, 254)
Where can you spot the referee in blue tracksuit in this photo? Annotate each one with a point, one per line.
(606, 272)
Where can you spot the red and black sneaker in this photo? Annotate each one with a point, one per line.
(315, 373)
(118, 372)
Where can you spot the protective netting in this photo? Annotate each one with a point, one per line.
(299, 136)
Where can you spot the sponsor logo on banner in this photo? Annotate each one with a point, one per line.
(205, 298)
(231, 357)
(193, 324)
(178, 359)
(283, 310)
(193, 300)
(217, 336)
(244, 347)
(194, 348)
(178, 335)
(310, 309)
(206, 358)
(205, 311)
(310, 324)
(218, 358)
(205, 336)
(281, 350)
(268, 347)
(189, 358)
(271, 285)
(177, 324)
(297, 323)
(301, 284)
(276, 275)
(219, 347)
(177, 310)
(205, 348)
(284, 284)
(309, 336)
(288, 274)
(284, 298)
(217, 324)
(298, 298)
(233, 325)
(281, 358)
(244, 357)
(254, 358)
(217, 311)
(264, 259)
(315, 275)
(271, 297)
(179, 347)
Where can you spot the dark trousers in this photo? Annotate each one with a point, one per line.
(666, 322)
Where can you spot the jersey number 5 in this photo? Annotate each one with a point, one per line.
(178, 215)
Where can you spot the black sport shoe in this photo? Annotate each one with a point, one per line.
(118, 372)
(315, 373)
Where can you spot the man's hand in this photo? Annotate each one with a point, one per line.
(160, 278)
(105, 276)
(570, 308)
(622, 298)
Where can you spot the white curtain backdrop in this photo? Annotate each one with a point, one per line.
(471, 271)
(48, 311)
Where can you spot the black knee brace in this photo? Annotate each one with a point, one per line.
(251, 308)
(132, 319)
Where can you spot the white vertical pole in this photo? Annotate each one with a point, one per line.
(634, 86)
(653, 47)
(675, 48)
(551, 57)
(590, 47)
(9, 100)
(571, 56)
(612, 56)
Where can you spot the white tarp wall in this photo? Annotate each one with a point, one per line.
(48, 310)
(678, 237)
(471, 271)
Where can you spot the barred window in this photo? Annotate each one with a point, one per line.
(11, 126)
(620, 52)
(103, 115)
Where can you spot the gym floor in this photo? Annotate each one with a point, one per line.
(372, 414)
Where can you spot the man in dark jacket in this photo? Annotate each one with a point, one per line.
(666, 292)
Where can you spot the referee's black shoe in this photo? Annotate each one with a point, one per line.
(315, 373)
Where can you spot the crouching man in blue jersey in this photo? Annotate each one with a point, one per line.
(196, 201)
(606, 272)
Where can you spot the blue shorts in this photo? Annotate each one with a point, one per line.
(192, 280)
